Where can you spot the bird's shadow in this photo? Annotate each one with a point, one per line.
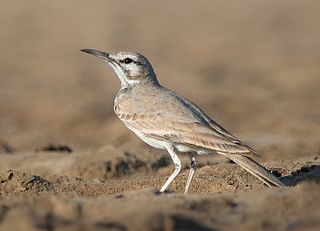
(307, 173)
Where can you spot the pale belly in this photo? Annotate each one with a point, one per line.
(153, 142)
(165, 144)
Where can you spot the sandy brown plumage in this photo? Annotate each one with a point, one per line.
(161, 114)
(166, 120)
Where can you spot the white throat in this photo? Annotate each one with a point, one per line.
(122, 75)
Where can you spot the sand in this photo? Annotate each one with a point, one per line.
(67, 162)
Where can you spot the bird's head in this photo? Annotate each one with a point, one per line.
(132, 68)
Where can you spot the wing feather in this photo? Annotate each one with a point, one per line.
(175, 119)
(190, 134)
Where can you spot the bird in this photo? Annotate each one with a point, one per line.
(166, 120)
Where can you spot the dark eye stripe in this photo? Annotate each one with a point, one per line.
(126, 61)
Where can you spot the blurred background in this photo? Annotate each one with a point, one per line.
(252, 66)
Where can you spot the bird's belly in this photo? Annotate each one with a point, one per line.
(152, 142)
(165, 144)
(184, 148)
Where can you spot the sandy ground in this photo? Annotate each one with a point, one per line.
(67, 162)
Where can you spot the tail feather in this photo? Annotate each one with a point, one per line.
(255, 169)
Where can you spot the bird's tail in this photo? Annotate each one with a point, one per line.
(255, 169)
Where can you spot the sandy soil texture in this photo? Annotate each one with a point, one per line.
(67, 162)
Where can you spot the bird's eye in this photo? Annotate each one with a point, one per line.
(127, 60)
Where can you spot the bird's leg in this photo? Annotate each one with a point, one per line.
(177, 168)
(193, 166)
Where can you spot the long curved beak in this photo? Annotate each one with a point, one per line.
(99, 54)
